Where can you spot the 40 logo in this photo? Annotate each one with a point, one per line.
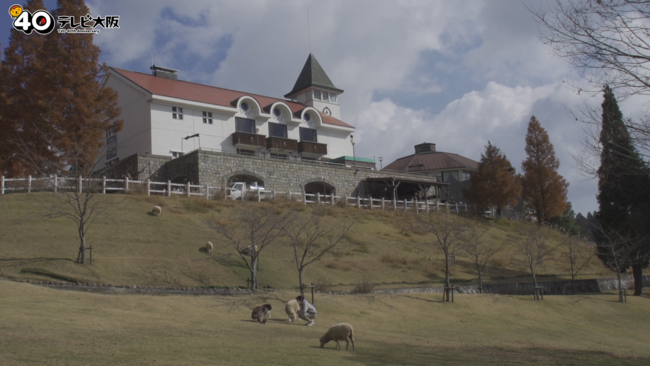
(41, 21)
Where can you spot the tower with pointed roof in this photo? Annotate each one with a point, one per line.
(315, 89)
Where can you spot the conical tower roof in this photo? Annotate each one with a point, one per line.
(312, 74)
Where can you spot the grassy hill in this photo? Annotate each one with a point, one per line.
(133, 247)
(42, 326)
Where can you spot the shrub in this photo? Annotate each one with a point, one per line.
(322, 284)
(363, 285)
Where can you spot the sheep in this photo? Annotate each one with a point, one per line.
(247, 250)
(292, 308)
(262, 313)
(209, 247)
(156, 211)
(339, 332)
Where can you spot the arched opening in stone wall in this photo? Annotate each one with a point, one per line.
(320, 187)
(250, 180)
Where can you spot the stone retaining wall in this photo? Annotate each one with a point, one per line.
(526, 288)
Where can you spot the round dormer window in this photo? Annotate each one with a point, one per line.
(244, 107)
(277, 112)
(307, 117)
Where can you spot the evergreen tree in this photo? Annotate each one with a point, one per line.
(57, 112)
(495, 182)
(544, 191)
(623, 182)
(567, 221)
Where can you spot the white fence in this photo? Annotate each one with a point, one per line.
(105, 185)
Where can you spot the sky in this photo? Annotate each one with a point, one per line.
(453, 73)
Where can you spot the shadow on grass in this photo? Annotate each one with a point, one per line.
(13, 262)
(400, 354)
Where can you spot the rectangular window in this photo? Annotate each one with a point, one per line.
(308, 134)
(278, 156)
(466, 175)
(277, 130)
(317, 94)
(245, 152)
(450, 177)
(326, 96)
(207, 117)
(176, 154)
(177, 113)
(332, 98)
(244, 125)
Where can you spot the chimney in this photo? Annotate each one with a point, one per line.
(425, 147)
(163, 72)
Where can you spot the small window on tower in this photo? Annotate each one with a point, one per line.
(177, 113)
(317, 94)
(207, 118)
(326, 96)
(332, 98)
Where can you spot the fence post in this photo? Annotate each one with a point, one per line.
(56, 183)
(304, 196)
(318, 198)
(437, 205)
(394, 204)
(207, 191)
(104, 185)
(126, 184)
(29, 183)
(426, 203)
(169, 188)
(148, 187)
(332, 197)
(358, 202)
(259, 195)
(383, 203)
(2, 185)
(80, 190)
(188, 189)
(370, 200)
(466, 207)
(289, 194)
(457, 208)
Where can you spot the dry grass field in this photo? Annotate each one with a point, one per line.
(132, 247)
(41, 326)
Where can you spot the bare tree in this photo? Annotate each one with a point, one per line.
(479, 250)
(606, 40)
(254, 228)
(75, 184)
(311, 237)
(534, 248)
(579, 251)
(447, 232)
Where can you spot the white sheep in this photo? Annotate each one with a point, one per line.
(209, 247)
(292, 308)
(247, 250)
(157, 210)
(339, 332)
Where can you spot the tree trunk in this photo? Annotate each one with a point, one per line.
(637, 272)
(254, 273)
(447, 284)
(480, 281)
(302, 289)
(620, 286)
(82, 247)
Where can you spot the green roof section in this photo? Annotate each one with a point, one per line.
(341, 159)
(312, 74)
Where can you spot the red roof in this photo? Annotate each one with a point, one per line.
(209, 94)
(431, 160)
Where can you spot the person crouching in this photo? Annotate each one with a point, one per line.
(307, 311)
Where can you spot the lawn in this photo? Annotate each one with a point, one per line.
(42, 326)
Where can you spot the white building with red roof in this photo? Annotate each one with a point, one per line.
(169, 117)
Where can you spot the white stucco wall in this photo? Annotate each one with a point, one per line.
(135, 136)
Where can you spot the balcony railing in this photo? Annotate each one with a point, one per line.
(240, 139)
(312, 148)
(281, 144)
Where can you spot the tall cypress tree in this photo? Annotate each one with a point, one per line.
(623, 184)
(56, 111)
(544, 190)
